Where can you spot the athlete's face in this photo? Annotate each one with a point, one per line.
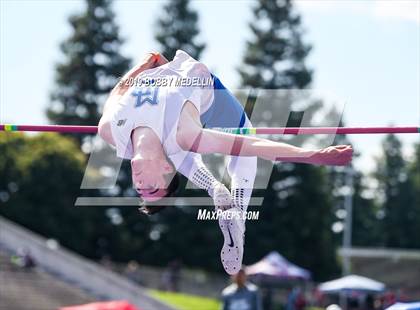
(151, 177)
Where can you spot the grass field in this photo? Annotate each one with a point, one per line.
(185, 301)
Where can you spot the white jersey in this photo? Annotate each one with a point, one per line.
(159, 108)
(145, 104)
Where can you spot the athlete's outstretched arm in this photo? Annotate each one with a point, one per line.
(191, 136)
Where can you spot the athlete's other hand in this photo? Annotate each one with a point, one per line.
(159, 59)
(338, 155)
(152, 60)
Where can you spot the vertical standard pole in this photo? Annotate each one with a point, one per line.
(347, 233)
(348, 205)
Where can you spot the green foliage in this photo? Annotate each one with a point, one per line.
(186, 302)
(414, 177)
(297, 209)
(399, 193)
(43, 176)
(92, 63)
(275, 57)
(295, 220)
(414, 170)
(366, 225)
(177, 28)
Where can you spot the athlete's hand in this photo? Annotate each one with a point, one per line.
(339, 155)
(159, 59)
(151, 60)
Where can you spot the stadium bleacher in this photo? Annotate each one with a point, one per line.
(61, 278)
(35, 289)
(399, 269)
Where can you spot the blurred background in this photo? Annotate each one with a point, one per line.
(360, 225)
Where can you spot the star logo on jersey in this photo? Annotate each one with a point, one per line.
(146, 95)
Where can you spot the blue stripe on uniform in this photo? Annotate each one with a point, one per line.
(225, 110)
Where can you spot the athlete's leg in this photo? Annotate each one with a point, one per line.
(226, 111)
(242, 171)
(204, 179)
(192, 167)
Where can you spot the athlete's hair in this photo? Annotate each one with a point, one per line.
(171, 190)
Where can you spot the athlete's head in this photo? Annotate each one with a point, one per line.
(170, 191)
(153, 179)
(152, 171)
(240, 278)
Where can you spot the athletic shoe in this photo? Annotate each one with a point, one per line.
(233, 230)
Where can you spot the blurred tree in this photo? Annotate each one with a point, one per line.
(10, 147)
(177, 29)
(397, 195)
(92, 63)
(297, 210)
(49, 180)
(275, 57)
(337, 179)
(414, 177)
(43, 175)
(365, 224)
(41, 178)
(175, 230)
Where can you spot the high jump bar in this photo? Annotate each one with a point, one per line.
(242, 131)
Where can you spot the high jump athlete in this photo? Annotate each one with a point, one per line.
(165, 126)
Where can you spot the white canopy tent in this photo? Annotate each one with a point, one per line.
(405, 306)
(277, 266)
(352, 282)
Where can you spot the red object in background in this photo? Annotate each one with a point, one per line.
(108, 305)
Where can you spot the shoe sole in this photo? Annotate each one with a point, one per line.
(231, 256)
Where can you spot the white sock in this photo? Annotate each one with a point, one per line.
(204, 179)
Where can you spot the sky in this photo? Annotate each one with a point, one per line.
(366, 53)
